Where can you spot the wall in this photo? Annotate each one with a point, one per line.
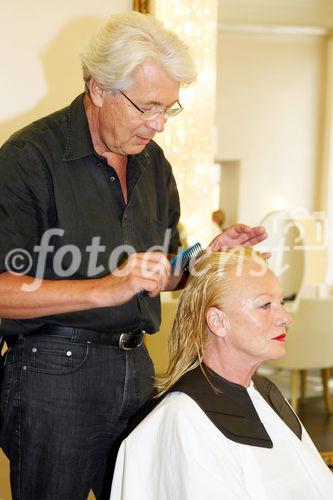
(326, 198)
(39, 41)
(277, 12)
(268, 116)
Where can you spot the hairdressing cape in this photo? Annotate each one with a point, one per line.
(230, 443)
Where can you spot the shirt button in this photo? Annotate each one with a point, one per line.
(125, 217)
(111, 179)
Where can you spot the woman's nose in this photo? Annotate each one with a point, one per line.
(285, 318)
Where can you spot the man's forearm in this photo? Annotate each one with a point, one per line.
(24, 297)
(20, 298)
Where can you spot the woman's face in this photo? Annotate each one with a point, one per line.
(256, 319)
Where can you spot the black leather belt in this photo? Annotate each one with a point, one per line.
(125, 341)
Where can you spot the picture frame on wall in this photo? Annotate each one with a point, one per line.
(143, 6)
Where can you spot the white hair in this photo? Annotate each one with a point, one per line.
(126, 41)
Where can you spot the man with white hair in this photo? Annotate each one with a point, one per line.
(86, 197)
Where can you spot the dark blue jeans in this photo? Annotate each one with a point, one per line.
(63, 406)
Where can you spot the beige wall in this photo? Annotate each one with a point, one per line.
(38, 53)
(268, 116)
(327, 157)
(277, 12)
(299, 106)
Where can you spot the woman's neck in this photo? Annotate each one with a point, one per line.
(230, 368)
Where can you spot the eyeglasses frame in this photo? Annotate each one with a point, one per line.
(164, 111)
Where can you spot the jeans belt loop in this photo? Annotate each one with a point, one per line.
(75, 335)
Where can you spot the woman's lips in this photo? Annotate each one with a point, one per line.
(280, 337)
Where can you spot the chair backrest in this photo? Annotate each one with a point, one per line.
(310, 337)
(286, 244)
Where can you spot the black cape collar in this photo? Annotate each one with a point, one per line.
(230, 408)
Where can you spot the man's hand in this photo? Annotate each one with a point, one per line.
(148, 271)
(238, 235)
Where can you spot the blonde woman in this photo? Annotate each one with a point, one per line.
(218, 430)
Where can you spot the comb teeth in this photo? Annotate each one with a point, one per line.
(183, 259)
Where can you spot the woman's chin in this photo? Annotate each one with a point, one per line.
(278, 353)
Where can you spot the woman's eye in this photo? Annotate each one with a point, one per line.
(267, 305)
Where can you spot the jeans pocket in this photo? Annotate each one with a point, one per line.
(56, 357)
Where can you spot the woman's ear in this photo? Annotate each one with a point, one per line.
(96, 92)
(216, 321)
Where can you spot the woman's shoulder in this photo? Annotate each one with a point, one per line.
(174, 407)
(177, 422)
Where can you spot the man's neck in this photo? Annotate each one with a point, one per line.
(117, 161)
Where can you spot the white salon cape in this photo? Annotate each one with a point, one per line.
(177, 453)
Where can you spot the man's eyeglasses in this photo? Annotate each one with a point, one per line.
(154, 113)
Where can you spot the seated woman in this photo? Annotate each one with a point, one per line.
(217, 430)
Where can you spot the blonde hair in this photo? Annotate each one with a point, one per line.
(208, 286)
(127, 40)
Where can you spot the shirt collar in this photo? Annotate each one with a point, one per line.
(78, 140)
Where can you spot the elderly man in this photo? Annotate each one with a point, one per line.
(86, 199)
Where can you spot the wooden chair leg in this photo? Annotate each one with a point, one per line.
(325, 375)
(303, 384)
(294, 383)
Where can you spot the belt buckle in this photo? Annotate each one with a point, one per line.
(122, 346)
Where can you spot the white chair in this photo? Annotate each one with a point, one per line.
(309, 346)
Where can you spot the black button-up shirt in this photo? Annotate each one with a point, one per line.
(52, 179)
